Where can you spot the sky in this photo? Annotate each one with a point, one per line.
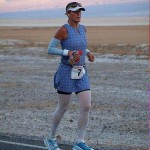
(27, 5)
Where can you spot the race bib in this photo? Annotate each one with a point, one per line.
(77, 72)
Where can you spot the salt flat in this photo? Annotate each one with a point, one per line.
(119, 85)
(114, 21)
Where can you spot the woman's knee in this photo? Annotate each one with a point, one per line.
(86, 108)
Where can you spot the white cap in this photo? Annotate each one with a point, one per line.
(76, 8)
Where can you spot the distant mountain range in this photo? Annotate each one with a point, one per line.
(134, 9)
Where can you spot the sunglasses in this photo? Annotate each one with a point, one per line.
(73, 5)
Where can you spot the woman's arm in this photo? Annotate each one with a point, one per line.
(60, 35)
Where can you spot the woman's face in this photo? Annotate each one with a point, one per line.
(75, 16)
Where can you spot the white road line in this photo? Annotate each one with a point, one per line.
(22, 144)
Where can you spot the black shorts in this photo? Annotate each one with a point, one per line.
(68, 93)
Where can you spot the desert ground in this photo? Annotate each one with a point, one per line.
(119, 80)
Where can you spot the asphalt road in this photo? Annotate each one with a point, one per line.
(19, 143)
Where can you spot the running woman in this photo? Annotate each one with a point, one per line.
(71, 75)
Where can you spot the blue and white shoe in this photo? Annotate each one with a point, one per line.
(81, 146)
(51, 144)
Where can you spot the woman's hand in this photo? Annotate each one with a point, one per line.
(91, 57)
(70, 53)
(74, 57)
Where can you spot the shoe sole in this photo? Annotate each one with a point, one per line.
(77, 148)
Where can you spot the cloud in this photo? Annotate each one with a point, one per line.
(25, 5)
(2, 2)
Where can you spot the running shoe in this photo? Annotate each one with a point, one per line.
(51, 144)
(81, 146)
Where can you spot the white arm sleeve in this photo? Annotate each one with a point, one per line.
(53, 50)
